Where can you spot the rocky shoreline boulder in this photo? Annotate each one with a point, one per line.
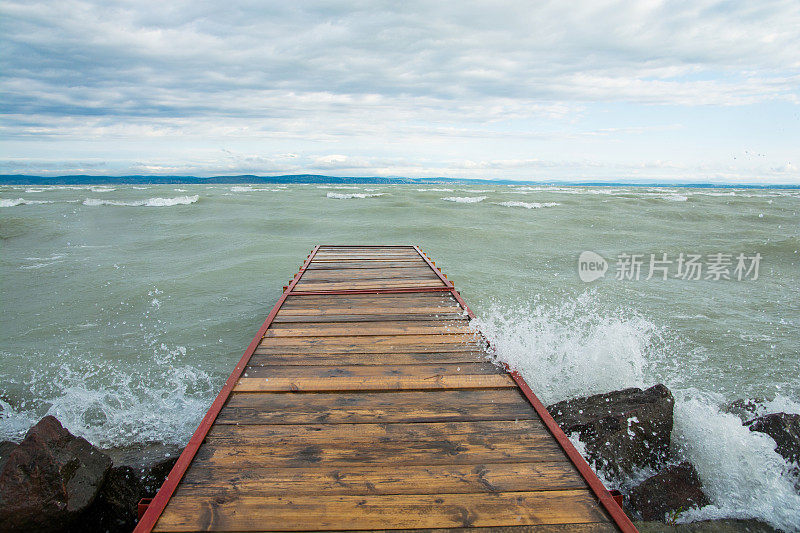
(49, 479)
(675, 488)
(784, 430)
(55, 481)
(624, 431)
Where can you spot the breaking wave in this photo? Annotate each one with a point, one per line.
(529, 205)
(22, 201)
(152, 202)
(575, 347)
(465, 199)
(348, 196)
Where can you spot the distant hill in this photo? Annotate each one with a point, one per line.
(22, 179)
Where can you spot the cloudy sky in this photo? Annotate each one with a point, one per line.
(696, 90)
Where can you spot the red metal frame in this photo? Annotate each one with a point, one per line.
(603, 495)
(157, 505)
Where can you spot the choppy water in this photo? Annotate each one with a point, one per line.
(125, 307)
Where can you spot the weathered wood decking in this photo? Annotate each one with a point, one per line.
(356, 408)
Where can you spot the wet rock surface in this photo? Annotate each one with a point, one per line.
(784, 430)
(674, 489)
(624, 431)
(55, 481)
(49, 479)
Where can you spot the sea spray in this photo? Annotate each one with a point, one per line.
(570, 348)
(740, 470)
(576, 347)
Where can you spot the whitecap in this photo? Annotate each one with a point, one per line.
(676, 198)
(22, 201)
(529, 205)
(347, 196)
(465, 199)
(151, 202)
(435, 190)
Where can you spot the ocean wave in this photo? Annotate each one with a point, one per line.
(248, 188)
(113, 405)
(435, 190)
(675, 198)
(465, 199)
(529, 205)
(576, 347)
(151, 202)
(345, 187)
(22, 201)
(347, 196)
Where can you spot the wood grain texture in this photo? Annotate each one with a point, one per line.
(290, 512)
(376, 407)
(378, 411)
(207, 481)
(375, 383)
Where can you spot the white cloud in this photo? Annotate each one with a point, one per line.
(394, 82)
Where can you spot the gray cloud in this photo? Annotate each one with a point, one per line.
(340, 72)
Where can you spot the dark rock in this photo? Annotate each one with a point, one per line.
(745, 408)
(49, 479)
(673, 490)
(140, 473)
(785, 431)
(624, 431)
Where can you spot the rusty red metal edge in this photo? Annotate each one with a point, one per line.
(435, 270)
(159, 502)
(603, 495)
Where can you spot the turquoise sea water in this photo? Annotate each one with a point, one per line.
(125, 307)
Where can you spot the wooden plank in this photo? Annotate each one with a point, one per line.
(356, 329)
(258, 513)
(364, 317)
(395, 342)
(458, 449)
(304, 286)
(376, 407)
(423, 271)
(374, 263)
(402, 300)
(269, 346)
(399, 432)
(438, 382)
(204, 481)
(371, 359)
(383, 370)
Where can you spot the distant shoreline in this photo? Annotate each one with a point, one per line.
(23, 179)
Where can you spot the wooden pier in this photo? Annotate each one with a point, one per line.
(366, 402)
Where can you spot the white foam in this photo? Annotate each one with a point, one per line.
(248, 188)
(22, 201)
(529, 205)
(110, 405)
(570, 348)
(151, 202)
(347, 196)
(741, 472)
(465, 199)
(435, 190)
(575, 347)
(676, 198)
